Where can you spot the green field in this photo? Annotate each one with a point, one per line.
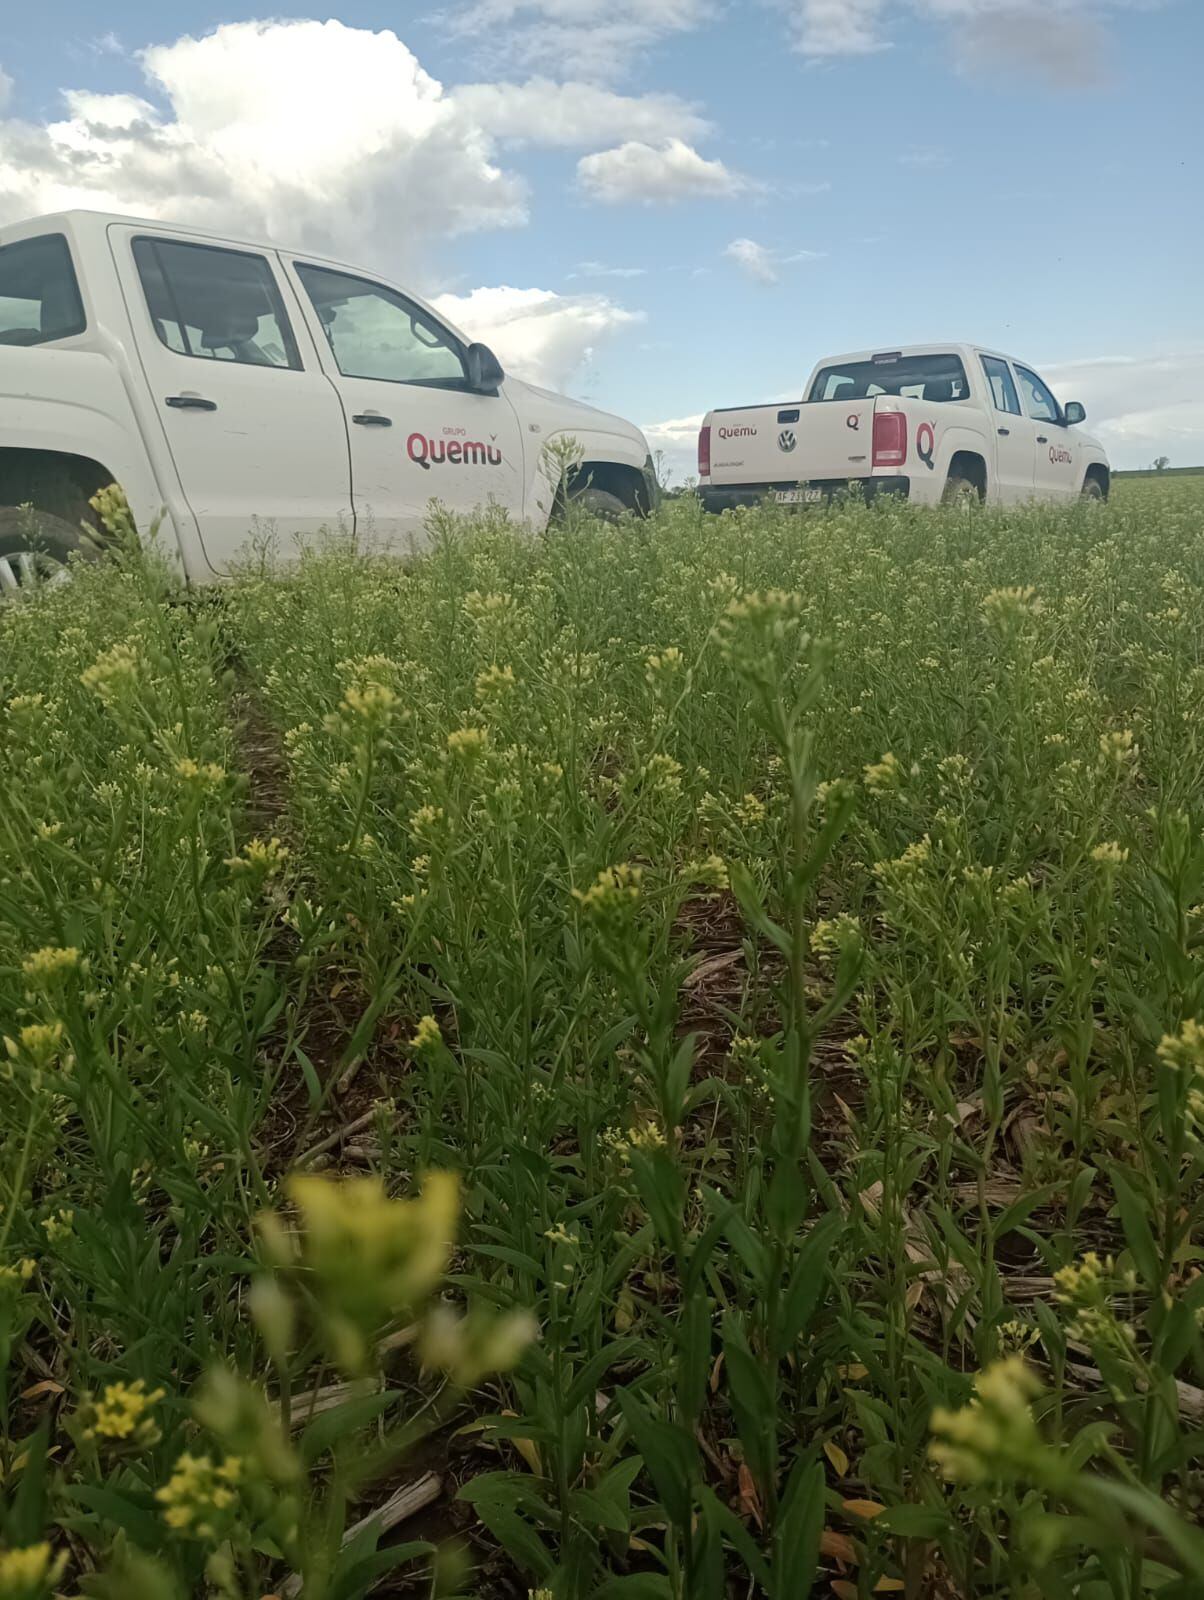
(665, 1054)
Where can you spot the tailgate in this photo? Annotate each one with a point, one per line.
(791, 443)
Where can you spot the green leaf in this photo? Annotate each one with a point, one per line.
(635, 1586)
(913, 1522)
(594, 1510)
(351, 1416)
(799, 1529)
(363, 1575)
(752, 1399)
(808, 1282)
(662, 1191)
(26, 1519)
(520, 1542)
(669, 1453)
(139, 1521)
(1137, 1230)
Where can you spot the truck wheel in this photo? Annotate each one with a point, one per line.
(600, 503)
(1093, 490)
(34, 548)
(960, 491)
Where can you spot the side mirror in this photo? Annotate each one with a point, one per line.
(484, 369)
(1073, 413)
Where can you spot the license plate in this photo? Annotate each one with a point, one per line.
(798, 497)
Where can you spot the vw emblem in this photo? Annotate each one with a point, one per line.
(786, 440)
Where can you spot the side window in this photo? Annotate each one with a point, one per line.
(220, 305)
(1039, 402)
(39, 295)
(374, 332)
(1003, 389)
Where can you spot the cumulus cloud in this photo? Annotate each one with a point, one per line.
(538, 335)
(234, 133)
(595, 39)
(761, 263)
(243, 144)
(1140, 406)
(656, 174)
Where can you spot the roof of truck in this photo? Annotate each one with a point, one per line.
(84, 217)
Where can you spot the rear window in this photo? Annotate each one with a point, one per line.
(935, 378)
(39, 295)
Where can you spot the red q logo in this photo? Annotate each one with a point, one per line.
(926, 444)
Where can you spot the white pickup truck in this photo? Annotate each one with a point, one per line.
(243, 389)
(932, 423)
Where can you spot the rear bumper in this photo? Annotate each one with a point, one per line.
(727, 496)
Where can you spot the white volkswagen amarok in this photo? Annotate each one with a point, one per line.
(240, 388)
(931, 422)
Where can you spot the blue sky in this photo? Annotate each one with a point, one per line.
(722, 194)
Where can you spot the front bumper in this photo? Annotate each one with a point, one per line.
(729, 495)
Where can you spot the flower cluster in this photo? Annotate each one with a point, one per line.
(994, 1436)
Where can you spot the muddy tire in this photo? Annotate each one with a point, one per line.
(35, 547)
(1093, 491)
(961, 491)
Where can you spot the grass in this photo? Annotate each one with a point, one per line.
(673, 1048)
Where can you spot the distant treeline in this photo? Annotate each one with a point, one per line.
(1166, 472)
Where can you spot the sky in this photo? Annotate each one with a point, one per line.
(665, 205)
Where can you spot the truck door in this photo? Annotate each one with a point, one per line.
(1056, 471)
(1013, 433)
(419, 433)
(254, 426)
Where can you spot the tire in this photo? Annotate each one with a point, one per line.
(35, 547)
(1093, 491)
(960, 491)
(600, 503)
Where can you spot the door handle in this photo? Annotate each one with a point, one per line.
(1042, 438)
(1004, 432)
(372, 419)
(191, 402)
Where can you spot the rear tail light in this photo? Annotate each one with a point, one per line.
(704, 451)
(890, 438)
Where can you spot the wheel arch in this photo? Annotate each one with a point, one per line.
(59, 482)
(969, 463)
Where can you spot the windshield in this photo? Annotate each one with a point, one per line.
(931, 377)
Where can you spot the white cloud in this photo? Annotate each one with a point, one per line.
(1065, 48)
(598, 269)
(541, 336)
(1140, 406)
(587, 38)
(574, 114)
(1061, 40)
(761, 263)
(240, 140)
(243, 144)
(839, 27)
(656, 174)
(677, 441)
